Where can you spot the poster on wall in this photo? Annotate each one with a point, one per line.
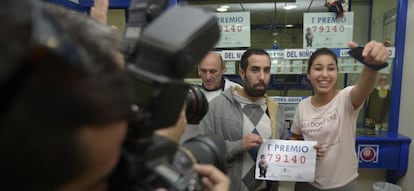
(325, 30)
(234, 29)
(289, 105)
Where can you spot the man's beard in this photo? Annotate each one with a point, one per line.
(251, 91)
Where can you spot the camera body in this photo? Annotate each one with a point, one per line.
(161, 163)
(157, 58)
(166, 51)
(159, 52)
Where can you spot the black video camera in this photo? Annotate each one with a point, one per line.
(159, 52)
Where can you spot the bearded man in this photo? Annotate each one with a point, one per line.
(243, 117)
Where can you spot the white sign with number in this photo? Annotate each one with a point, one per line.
(286, 160)
(234, 29)
(325, 30)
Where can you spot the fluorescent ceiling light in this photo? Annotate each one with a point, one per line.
(221, 9)
(288, 25)
(290, 6)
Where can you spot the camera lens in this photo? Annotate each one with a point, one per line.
(206, 150)
(200, 149)
(197, 105)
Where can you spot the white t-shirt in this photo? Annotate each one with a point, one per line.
(334, 126)
(212, 94)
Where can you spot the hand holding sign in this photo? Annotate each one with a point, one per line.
(286, 160)
(251, 140)
(320, 151)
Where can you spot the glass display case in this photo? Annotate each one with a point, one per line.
(282, 30)
(283, 33)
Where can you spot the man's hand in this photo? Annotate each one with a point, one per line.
(251, 140)
(212, 178)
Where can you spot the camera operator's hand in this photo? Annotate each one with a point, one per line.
(251, 140)
(212, 178)
(99, 12)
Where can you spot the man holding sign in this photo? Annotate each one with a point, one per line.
(243, 117)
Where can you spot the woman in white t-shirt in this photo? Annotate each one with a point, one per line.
(329, 117)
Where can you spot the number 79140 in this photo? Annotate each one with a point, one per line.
(279, 158)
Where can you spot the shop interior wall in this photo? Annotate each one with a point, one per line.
(293, 39)
(264, 39)
(406, 126)
(378, 12)
(116, 17)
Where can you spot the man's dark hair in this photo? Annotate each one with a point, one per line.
(251, 51)
(319, 52)
(53, 98)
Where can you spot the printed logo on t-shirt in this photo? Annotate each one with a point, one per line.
(323, 127)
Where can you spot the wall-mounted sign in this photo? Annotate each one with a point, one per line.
(234, 29)
(325, 30)
(276, 53)
(295, 61)
(230, 67)
(232, 54)
(289, 105)
(368, 153)
(298, 53)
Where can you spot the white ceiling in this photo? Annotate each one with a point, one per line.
(266, 14)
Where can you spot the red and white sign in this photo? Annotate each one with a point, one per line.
(286, 160)
(368, 153)
(234, 29)
(325, 30)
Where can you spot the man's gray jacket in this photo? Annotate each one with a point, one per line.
(225, 119)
